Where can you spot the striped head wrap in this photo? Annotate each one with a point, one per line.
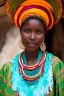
(20, 10)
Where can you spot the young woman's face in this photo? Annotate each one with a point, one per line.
(32, 34)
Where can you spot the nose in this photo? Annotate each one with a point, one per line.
(32, 37)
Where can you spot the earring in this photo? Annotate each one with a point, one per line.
(43, 46)
(20, 44)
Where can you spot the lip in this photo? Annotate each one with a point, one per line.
(32, 44)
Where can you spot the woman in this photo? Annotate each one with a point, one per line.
(34, 72)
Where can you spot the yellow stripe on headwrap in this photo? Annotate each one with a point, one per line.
(34, 11)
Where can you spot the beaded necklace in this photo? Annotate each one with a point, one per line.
(39, 66)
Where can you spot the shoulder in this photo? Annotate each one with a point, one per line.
(57, 68)
(54, 59)
(5, 72)
(57, 64)
(6, 68)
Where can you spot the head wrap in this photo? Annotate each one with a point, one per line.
(19, 10)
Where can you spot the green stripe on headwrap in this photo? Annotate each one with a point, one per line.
(13, 4)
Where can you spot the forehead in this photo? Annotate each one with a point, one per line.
(33, 22)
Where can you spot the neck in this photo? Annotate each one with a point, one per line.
(31, 55)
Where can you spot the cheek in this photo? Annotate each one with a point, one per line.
(24, 38)
(40, 39)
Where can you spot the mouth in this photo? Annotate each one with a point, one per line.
(32, 44)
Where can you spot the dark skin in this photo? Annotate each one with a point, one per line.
(32, 34)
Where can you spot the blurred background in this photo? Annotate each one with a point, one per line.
(10, 35)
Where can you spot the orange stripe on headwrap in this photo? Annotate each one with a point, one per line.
(16, 14)
(33, 11)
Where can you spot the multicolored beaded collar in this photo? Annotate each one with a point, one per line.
(39, 65)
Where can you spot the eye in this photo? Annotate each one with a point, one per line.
(27, 30)
(39, 31)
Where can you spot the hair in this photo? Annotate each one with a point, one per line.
(36, 18)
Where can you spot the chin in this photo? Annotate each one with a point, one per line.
(32, 49)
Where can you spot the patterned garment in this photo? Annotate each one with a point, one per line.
(51, 83)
